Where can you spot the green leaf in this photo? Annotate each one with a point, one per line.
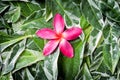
(93, 14)
(14, 54)
(48, 7)
(28, 74)
(3, 8)
(94, 39)
(86, 73)
(97, 59)
(24, 74)
(27, 58)
(4, 37)
(6, 77)
(4, 45)
(13, 15)
(16, 26)
(110, 9)
(116, 29)
(87, 31)
(111, 51)
(27, 8)
(50, 66)
(3, 24)
(35, 20)
(35, 23)
(111, 55)
(41, 74)
(39, 42)
(83, 22)
(107, 56)
(71, 67)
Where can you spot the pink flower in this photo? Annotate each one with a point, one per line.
(58, 37)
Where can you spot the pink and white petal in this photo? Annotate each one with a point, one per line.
(58, 23)
(46, 33)
(66, 48)
(50, 47)
(72, 33)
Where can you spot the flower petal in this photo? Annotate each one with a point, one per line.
(46, 33)
(72, 33)
(50, 47)
(66, 48)
(58, 23)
